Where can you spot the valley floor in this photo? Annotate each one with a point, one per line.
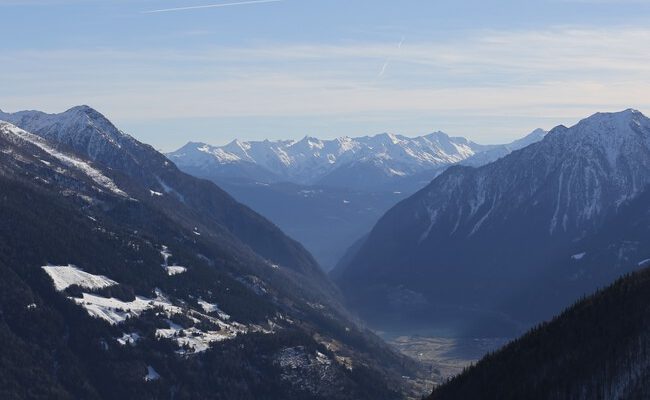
(445, 357)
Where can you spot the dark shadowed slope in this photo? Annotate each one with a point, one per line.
(597, 349)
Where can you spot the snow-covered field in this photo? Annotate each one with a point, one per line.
(128, 338)
(197, 340)
(66, 276)
(213, 308)
(115, 311)
(175, 270)
(171, 269)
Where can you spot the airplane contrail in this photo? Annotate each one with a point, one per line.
(383, 69)
(389, 59)
(241, 3)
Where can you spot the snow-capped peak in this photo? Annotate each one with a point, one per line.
(310, 159)
(81, 128)
(18, 135)
(576, 173)
(614, 120)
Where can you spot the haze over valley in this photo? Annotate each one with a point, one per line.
(324, 200)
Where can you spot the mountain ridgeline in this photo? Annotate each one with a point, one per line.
(375, 163)
(123, 277)
(494, 249)
(599, 349)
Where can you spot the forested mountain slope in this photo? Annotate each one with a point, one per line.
(597, 349)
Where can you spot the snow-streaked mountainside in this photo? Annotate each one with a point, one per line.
(489, 241)
(123, 277)
(81, 128)
(376, 159)
(19, 136)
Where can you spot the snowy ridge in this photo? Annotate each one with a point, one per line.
(80, 128)
(609, 165)
(328, 162)
(97, 176)
(309, 159)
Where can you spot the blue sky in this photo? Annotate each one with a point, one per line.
(488, 70)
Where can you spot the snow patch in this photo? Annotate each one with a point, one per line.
(152, 375)
(170, 190)
(170, 269)
(128, 339)
(199, 341)
(213, 308)
(66, 276)
(175, 270)
(115, 311)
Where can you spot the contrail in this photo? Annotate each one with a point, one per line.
(241, 3)
(389, 59)
(383, 69)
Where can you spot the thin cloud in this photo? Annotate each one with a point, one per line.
(241, 3)
(560, 72)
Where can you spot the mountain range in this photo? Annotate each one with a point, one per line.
(495, 249)
(124, 277)
(369, 162)
(329, 193)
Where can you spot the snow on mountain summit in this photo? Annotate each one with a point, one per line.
(310, 159)
(80, 128)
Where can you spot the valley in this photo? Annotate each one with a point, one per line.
(325, 200)
(328, 194)
(446, 357)
(201, 273)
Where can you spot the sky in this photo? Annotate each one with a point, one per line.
(489, 70)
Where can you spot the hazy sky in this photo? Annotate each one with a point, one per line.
(488, 70)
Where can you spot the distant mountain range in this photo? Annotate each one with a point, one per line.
(123, 277)
(329, 193)
(494, 249)
(597, 349)
(370, 162)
